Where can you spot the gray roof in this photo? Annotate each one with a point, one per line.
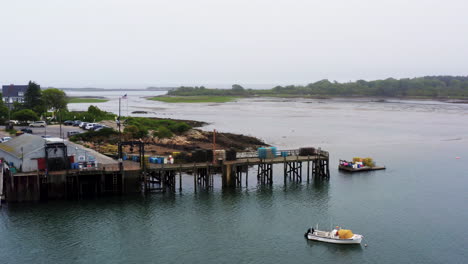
(32, 143)
(13, 90)
(100, 158)
(28, 142)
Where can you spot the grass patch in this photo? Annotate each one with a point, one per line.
(86, 100)
(195, 99)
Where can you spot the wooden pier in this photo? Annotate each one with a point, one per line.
(132, 177)
(235, 172)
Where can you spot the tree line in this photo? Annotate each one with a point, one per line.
(426, 87)
(37, 104)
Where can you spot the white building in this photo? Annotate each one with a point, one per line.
(28, 152)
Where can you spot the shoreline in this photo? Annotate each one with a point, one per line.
(376, 99)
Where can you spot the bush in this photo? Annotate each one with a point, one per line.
(163, 132)
(25, 115)
(163, 127)
(94, 114)
(108, 148)
(136, 131)
(179, 128)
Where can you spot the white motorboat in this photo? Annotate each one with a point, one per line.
(336, 236)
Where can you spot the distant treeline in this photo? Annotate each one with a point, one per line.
(427, 87)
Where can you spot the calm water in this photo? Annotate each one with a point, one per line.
(414, 212)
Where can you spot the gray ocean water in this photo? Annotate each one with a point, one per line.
(413, 212)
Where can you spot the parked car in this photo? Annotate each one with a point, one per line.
(69, 123)
(96, 126)
(72, 133)
(38, 124)
(100, 127)
(76, 122)
(27, 130)
(89, 126)
(5, 139)
(83, 124)
(46, 136)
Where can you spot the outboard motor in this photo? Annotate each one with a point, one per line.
(308, 231)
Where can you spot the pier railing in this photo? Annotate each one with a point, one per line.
(290, 152)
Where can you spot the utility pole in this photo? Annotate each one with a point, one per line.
(60, 124)
(118, 121)
(121, 169)
(214, 146)
(8, 104)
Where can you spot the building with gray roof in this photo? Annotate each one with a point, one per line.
(13, 93)
(28, 152)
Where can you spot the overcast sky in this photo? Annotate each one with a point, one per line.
(138, 43)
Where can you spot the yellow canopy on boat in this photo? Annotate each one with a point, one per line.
(345, 233)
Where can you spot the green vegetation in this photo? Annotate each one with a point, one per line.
(108, 135)
(139, 127)
(33, 98)
(423, 87)
(25, 115)
(236, 90)
(3, 111)
(75, 100)
(54, 99)
(94, 114)
(135, 128)
(37, 102)
(195, 99)
(12, 132)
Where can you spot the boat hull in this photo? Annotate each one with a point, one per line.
(349, 169)
(356, 239)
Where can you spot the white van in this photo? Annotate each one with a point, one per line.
(38, 124)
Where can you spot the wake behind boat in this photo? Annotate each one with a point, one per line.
(336, 236)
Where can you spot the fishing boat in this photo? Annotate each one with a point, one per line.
(336, 236)
(359, 164)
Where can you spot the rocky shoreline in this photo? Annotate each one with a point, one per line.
(194, 139)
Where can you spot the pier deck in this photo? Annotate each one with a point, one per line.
(238, 162)
(130, 176)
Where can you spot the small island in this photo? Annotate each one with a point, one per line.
(444, 88)
(78, 100)
(194, 99)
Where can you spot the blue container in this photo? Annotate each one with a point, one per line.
(284, 154)
(274, 152)
(153, 160)
(161, 160)
(125, 157)
(262, 153)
